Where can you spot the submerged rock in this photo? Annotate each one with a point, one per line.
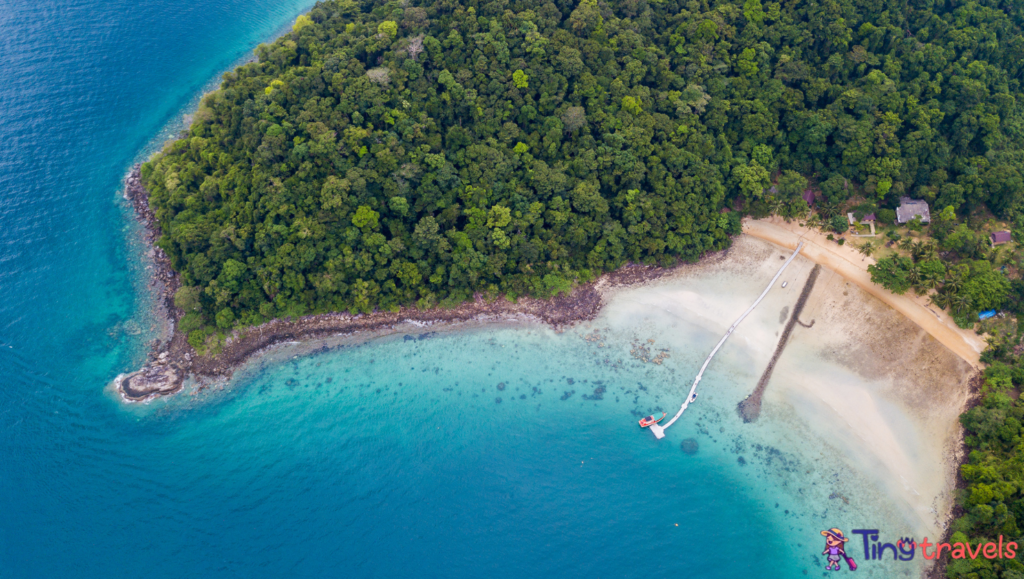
(689, 446)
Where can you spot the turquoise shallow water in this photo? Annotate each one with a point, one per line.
(456, 454)
(392, 457)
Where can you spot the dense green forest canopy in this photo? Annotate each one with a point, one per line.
(994, 472)
(385, 154)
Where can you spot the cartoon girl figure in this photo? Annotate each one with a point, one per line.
(834, 540)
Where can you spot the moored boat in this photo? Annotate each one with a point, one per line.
(645, 422)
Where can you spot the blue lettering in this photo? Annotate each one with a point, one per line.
(883, 547)
(907, 547)
(873, 533)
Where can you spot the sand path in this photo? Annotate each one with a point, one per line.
(852, 265)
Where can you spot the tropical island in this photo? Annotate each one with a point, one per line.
(390, 161)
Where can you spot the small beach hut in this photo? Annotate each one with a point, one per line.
(808, 196)
(1000, 237)
(868, 220)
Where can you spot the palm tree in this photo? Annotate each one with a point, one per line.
(930, 280)
(921, 250)
(941, 299)
(828, 209)
(892, 269)
(914, 277)
(867, 248)
(960, 303)
(905, 243)
(954, 282)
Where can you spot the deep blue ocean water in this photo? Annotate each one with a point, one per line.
(393, 458)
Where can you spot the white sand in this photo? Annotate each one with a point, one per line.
(864, 390)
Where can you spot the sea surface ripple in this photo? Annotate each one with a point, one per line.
(508, 452)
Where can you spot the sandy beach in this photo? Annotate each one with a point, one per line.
(896, 395)
(865, 388)
(853, 266)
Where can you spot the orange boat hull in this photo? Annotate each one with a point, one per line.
(645, 422)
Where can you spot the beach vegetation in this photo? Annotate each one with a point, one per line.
(992, 502)
(839, 223)
(381, 154)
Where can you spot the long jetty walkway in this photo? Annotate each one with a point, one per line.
(750, 407)
(659, 431)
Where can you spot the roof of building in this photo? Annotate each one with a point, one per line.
(910, 208)
(809, 196)
(1001, 237)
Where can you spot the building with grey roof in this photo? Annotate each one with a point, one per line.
(911, 208)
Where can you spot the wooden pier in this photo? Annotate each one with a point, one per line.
(659, 431)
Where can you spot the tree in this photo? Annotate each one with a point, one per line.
(387, 29)
(942, 299)
(520, 79)
(369, 142)
(225, 318)
(586, 18)
(932, 272)
(631, 105)
(886, 216)
(365, 218)
(839, 223)
(763, 156)
(574, 118)
(751, 180)
(188, 299)
(753, 11)
(985, 288)
(960, 303)
(921, 250)
(791, 184)
(828, 209)
(301, 22)
(399, 205)
(891, 273)
(836, 188)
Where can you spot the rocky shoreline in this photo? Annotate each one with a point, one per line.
(172, 359)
